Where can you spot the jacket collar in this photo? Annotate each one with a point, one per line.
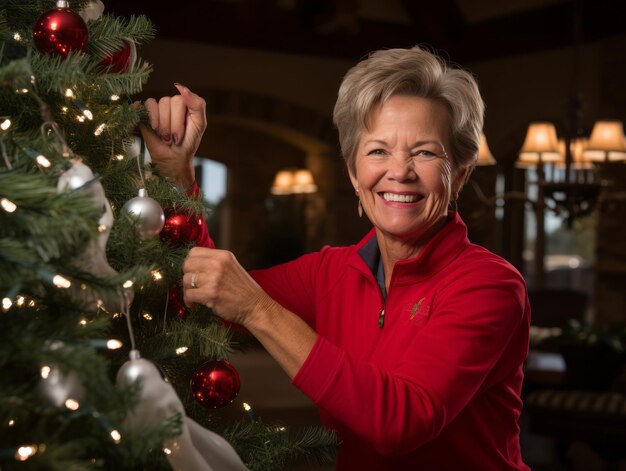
(440, 251)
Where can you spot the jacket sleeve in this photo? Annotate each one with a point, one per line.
(293, 284)
(445, 365)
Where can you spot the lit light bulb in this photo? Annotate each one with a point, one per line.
(181, 350)
(156, 275)
(116, 436)
(72, 404)
(99, 129)
(6, 303)
(25, 452)
(69, 93)
(5, 124)
(248, 409)
(8, 205)
(41, 160)
(45, 372)
(114, 344)
(127, 284)
(61, 282)
(115, 97)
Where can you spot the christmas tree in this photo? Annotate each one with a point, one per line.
(90, 264)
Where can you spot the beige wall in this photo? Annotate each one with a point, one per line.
(308, 81)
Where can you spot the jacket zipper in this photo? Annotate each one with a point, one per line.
(381, 317)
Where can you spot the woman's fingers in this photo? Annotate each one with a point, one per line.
(178, 111)
(178, 118)
(215, 279)
(153, 112)
(164, 130)
(195, 119)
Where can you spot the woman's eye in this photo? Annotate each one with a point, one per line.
(376, 152)
(424, 153)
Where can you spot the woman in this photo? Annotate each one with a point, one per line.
(411, 342)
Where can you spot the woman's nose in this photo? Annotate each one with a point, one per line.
(401, 168)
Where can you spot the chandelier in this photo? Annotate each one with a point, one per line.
(567, 174)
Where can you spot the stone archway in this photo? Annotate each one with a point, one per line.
(255, 136)
(271, 112)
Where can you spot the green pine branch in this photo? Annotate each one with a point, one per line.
(270, 447)
(107, 35)
(73, 104)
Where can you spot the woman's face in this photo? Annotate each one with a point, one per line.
(403, 176)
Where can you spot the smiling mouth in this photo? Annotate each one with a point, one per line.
(396, 198)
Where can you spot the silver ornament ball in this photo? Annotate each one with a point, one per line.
(148, 212)
(136, 368)
(74, 177)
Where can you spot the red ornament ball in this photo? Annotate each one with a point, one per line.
(215, 384)
(181, 227)
(60, 31)
(120, 61)
(175, 304)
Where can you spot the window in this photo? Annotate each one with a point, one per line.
(212, 179)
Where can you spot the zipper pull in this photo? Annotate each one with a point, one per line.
(381, 318)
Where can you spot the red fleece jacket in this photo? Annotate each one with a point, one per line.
(438, 386)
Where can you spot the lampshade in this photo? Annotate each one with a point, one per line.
(287, 182)
(540, 145)
(607, 141)
(577, 149)
(303, 182)
(283, 183)
(485, 157)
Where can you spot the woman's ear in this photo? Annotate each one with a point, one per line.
(461, 178)
(355, 182)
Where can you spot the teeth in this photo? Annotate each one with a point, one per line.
(400, 198)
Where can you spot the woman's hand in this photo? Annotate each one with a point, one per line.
(215, 279)
(178, 123)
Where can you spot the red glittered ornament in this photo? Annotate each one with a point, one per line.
(122, 60)
(215, 384)
(60, 31)
(181, 227)
(175, 304)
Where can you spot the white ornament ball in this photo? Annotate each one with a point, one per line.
(75, 177)
(93, 259)
(57, 387)
(92, 11)
(148, 212)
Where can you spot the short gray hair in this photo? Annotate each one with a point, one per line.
(415, 72)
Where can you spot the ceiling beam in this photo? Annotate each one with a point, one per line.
(262, 25)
